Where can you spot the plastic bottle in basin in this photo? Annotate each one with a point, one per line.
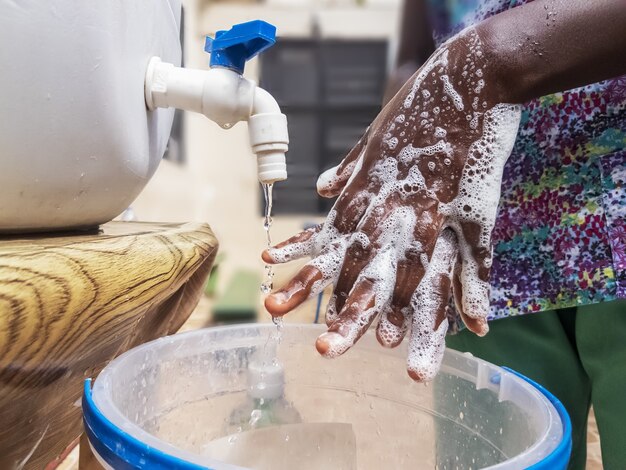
(266, 404)
(165, 404)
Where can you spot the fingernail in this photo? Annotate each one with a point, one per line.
(265, 256)
(331, 344)
(479, 326)
(321, 345)
(418, 377)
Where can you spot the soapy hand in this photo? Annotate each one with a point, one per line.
(417, 203)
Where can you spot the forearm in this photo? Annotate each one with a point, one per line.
(416, 42)
(554, 45)
(415, 45)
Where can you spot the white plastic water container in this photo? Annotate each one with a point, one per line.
(164, 405)
(78, 143)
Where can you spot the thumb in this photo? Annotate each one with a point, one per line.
(332, 181)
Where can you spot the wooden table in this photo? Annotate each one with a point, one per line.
(70, 303)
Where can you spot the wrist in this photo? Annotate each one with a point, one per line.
(476, 51)
(510, 80)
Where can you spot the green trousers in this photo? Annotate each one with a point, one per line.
(579, 354)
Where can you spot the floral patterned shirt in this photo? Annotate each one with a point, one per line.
(560, 237)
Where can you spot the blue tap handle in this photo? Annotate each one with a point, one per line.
(232, 48)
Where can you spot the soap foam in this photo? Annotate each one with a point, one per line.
(397, 173)
(427, 344)
(479, 193)
(396, 233)
(439, 58)
(410, 153)
(452, 93)
(333, 177)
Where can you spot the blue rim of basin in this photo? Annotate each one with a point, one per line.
(121, 450)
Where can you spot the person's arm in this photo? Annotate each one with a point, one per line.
(416, 40)
(418, 195)
(415, 45)
(554, 45)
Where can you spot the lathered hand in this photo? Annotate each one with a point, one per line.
(417, 203)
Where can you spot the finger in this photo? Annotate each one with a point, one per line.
(298, 246)
(343, 333)
(474, 277)
(396, 319)
(370, 294)
(429, 304)
(332, 181)
(308, 282)
(476, 325)
(426, 352)
(332, 313)
(296, 291)
(358, 255)
(393, 325)
(383, 224)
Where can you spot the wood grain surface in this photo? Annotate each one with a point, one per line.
(70, 303)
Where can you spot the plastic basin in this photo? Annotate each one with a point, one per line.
(162, 405)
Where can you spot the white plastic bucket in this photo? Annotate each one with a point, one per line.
(161, 404)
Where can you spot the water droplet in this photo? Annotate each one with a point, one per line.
(255, 416)
(278, 321)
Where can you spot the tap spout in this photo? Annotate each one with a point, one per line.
(225, 97)
(269, 137)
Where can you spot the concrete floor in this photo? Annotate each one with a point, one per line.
(594, 456)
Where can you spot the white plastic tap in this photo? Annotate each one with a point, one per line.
(223, 95)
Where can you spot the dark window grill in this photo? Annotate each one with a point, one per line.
(330, 90)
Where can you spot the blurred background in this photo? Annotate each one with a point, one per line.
(327, 72)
